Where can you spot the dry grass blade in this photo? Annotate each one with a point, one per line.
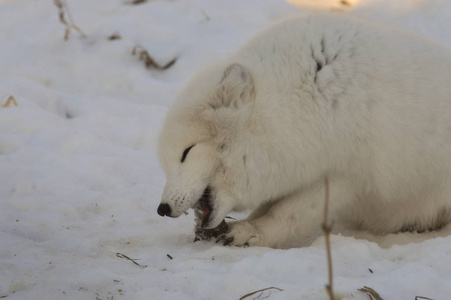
(138, 1)
(371, 293)
(148, 60)
(63, 9)
(10, 101)
(327, 228)
(61, 12)
(262, 290)
(120, 255)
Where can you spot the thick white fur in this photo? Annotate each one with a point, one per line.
(367, 106)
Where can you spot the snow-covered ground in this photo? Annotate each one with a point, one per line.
(80, 180)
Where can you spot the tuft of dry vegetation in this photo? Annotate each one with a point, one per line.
(63, 10)
(11, 101)
(149, 62)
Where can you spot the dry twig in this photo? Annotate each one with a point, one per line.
(421, 297)
(120, 255)
(327, 228)
(10, 101)
(371, 293)
(262, 290)
(148, 60)
(63, 9)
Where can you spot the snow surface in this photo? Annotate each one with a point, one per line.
(80, 181)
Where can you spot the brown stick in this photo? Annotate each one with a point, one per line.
(327, 228)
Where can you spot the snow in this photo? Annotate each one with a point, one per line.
(80, 180)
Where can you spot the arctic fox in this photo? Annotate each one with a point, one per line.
(366, 106)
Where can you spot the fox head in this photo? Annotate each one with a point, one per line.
(202, 145)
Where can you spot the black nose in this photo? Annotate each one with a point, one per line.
(164, 210)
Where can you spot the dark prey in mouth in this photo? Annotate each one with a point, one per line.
(202, 211)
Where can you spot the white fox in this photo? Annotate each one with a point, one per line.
(367, 106)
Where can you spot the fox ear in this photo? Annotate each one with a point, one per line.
(235, 88)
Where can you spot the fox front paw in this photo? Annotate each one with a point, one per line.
(242, 234)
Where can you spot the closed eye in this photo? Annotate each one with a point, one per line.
(185, 153)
